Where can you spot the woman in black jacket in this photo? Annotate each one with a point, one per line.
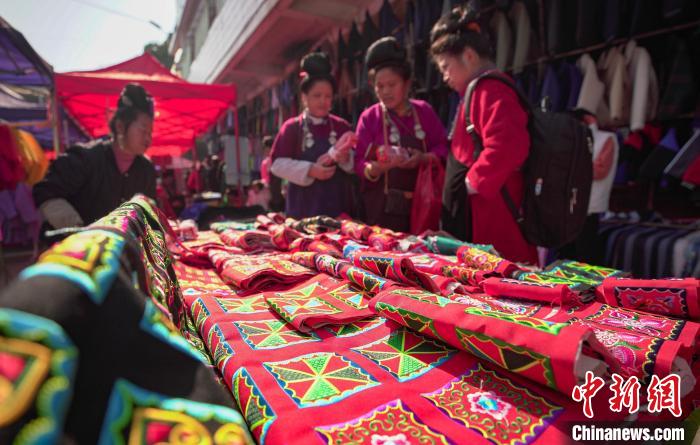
(88, 181)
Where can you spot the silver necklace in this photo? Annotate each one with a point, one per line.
(394, 135)
(309, 138)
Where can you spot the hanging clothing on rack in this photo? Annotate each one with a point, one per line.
(592, 90)
(504, 40)
(645, 87)
(678, 80)
(615, 106)
(523, 33)
(649, 250)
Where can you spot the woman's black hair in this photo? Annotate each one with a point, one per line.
(267, 141)
(457, 30)
(315, 67)
(387, 53)
(133, 100)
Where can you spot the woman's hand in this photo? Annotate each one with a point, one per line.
(325, 160)
(321, 172)
(342, 148)
(413, 161)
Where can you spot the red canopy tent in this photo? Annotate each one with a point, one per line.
(183, 110)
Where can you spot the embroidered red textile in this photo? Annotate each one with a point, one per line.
(323, 300)
(303, 369)
(543, 351)
(283, 236)
(466, 275)
(256, 273)
(479, 259)
(430, 263)
(523, 290)
(250, 241)
(674, 297)
(318, 244)
(644, 344)
(357, 231)
(196, 252)
(368, 382)
(395, 267)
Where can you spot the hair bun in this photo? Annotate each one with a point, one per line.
(135, 96)
(316, 64)
(468, 19)
(383, 52)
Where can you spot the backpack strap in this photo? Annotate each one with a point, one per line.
(476, 139)
(471, 129)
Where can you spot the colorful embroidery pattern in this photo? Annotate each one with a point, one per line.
(39, 362)
(540, 325)
(636, 353)
(495, 407)
(251, 305)
(423, 296)
(292, 304)
(657, 300)
(89, 259)
(257, 412)
(356, 328)
(414, 321)
(545, 278)
(271, 334)
(155, 323)
(405, 354)
(514, 358)
(647, 324)
(146, 417)
(348, 295)
(200, 312)
(389, 421)
(320, 378)
(222, 350)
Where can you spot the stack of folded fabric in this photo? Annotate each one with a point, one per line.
(328, 331)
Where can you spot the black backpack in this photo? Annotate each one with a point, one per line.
(558, 172)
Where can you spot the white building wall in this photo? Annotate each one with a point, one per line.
(233, 25)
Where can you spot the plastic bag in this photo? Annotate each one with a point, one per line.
(427, 197)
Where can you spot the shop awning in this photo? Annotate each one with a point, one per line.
(19, 63)
(183, 110)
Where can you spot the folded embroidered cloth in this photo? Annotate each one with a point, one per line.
(674, 297)
(315, 224)
(523, 290)
(449, 246)
(487, 262)
(355, 230)
(393, 266)
(283, 236)
(251, 241)
(257, 273)
(554, 354)
(320, 301)
(318, 244)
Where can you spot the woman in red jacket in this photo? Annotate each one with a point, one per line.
(473, 207)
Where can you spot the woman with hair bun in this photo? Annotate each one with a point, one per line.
(474, 207)
(395, 136)
(89, 181)
(312, 151)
